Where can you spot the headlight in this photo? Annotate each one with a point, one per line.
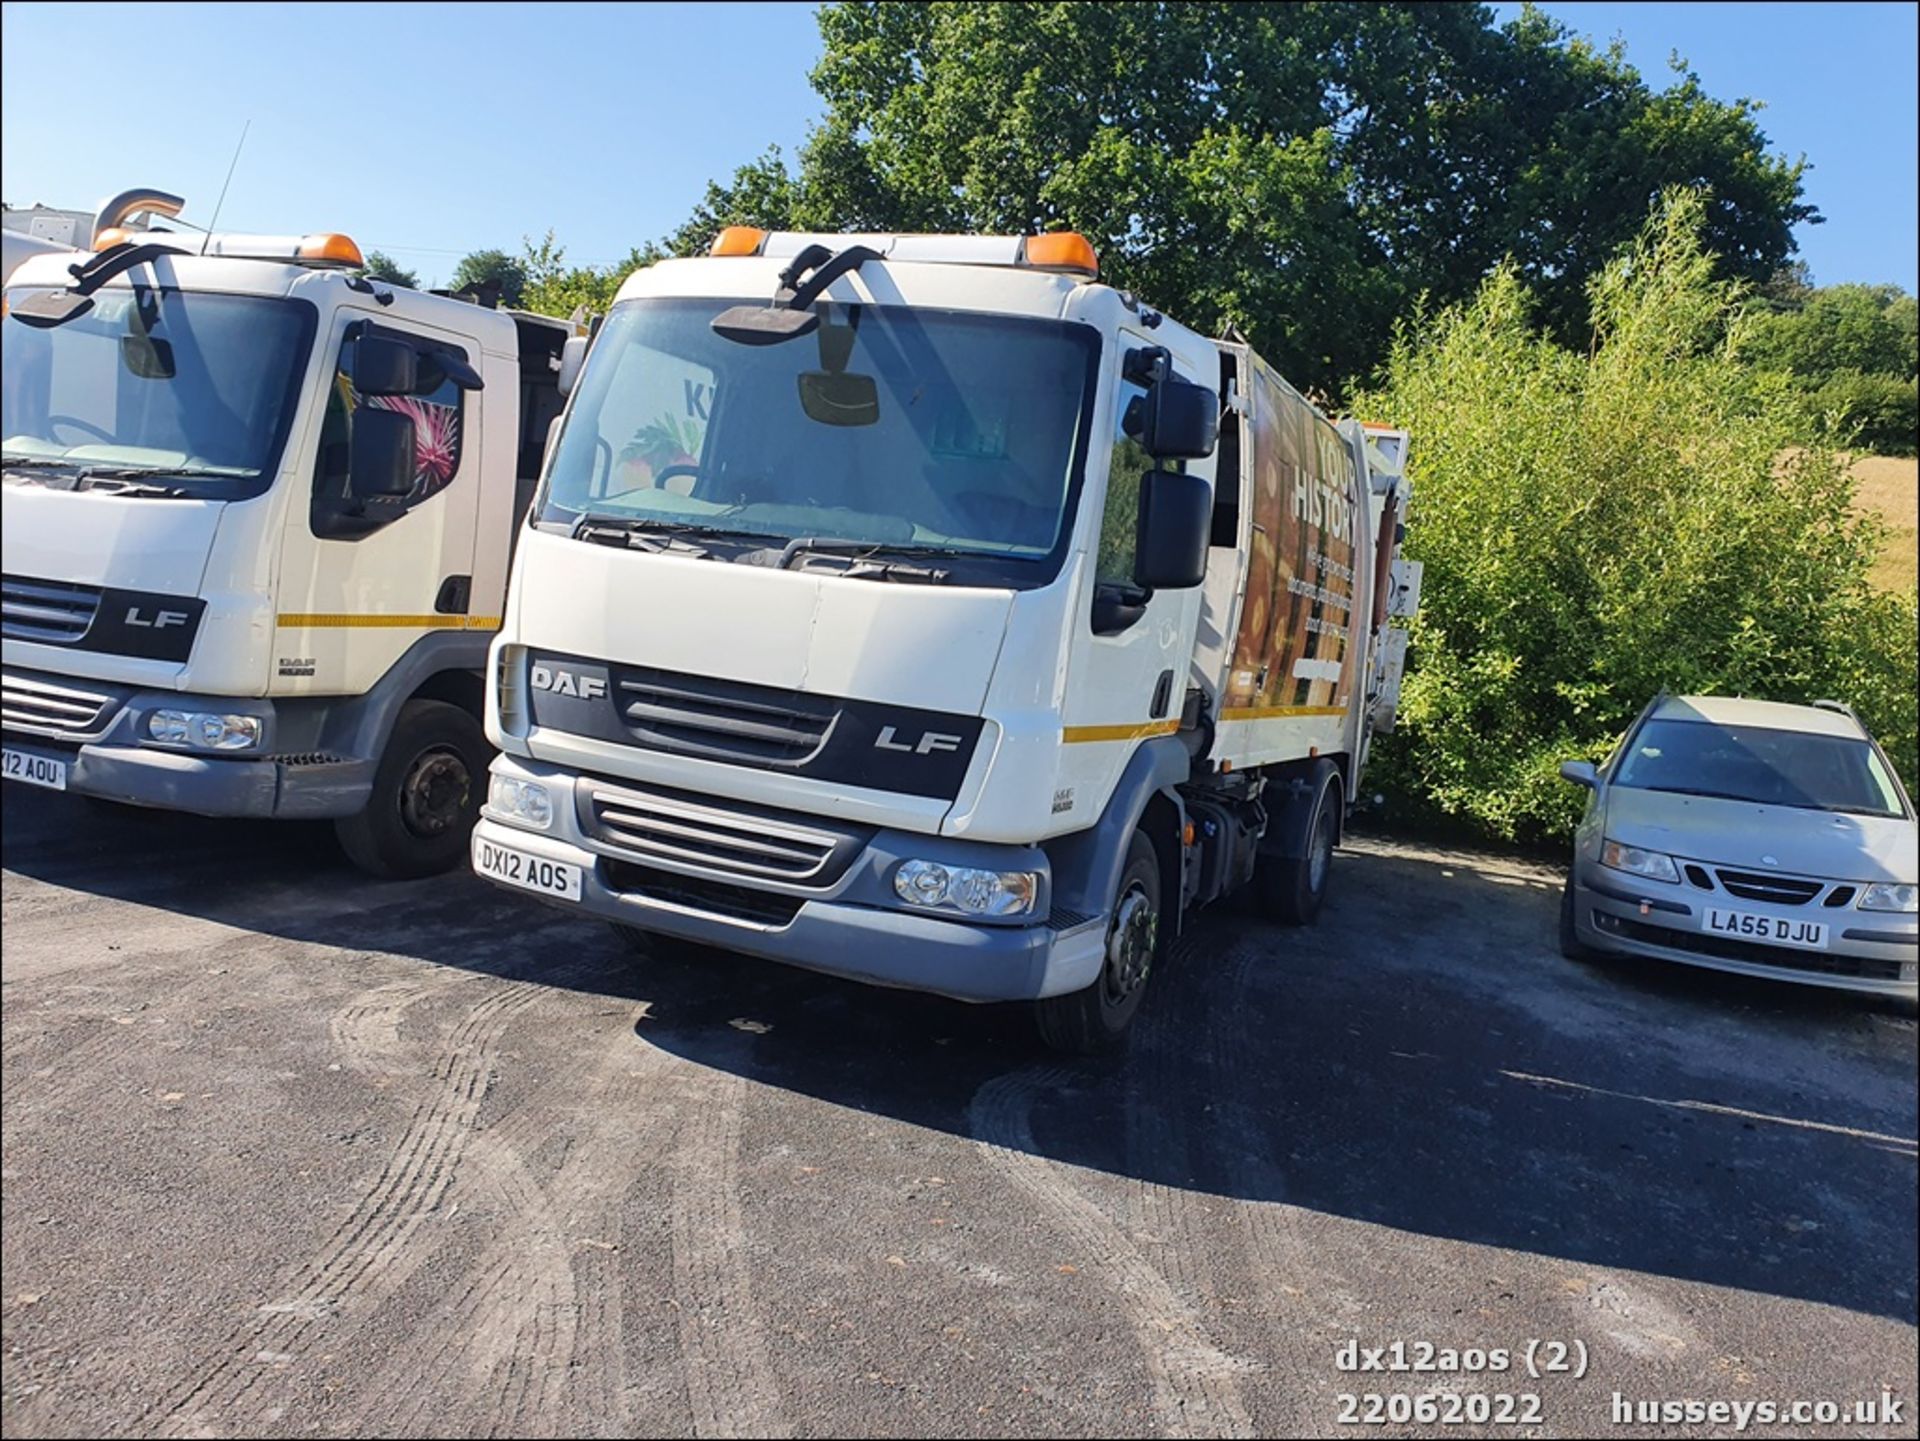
(525, 802)
(205, 729)
(1883, 897)
(1648, 865)
(963, 888)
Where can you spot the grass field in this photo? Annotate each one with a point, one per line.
(1891, 485)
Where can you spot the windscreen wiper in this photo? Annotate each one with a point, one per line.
(657, 536)
(127, 479)
(130, 485)
(865, 558)
(38, 462)
(860, 549)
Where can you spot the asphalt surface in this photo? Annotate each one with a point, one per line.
(287, 1151)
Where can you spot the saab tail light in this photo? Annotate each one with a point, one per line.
(738, 240)
(1062, 250)
(331, 249)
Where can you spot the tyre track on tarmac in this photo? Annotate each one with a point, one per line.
(368, 1252)
(1288, 1277)
(519, 1327)
(1163, 1214)
(536, 1324)
(1195, 1384)
(731, 1388)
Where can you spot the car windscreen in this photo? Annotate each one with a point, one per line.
(192, 388)
(1767, 767)
(901, 427)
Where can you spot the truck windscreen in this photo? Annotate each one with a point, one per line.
(907, 428)
(191, 389)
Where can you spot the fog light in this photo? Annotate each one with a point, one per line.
(965, 888)
(522, 802)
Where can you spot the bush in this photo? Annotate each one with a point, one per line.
(1876, 412)
(1598, 525)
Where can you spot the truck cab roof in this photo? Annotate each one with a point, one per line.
(323, 285)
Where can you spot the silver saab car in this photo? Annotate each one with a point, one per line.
(1743, 835)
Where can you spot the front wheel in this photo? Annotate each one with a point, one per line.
(1096, 1019)
(1571, 946)
(426, 794)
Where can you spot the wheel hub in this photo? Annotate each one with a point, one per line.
(1136, 926)
(434, 793)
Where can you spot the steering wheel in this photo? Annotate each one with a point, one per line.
(660, 477)
(79, 424)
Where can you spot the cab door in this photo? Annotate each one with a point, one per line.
(1128, 668)
(354, 599)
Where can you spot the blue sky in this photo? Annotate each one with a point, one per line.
(429, 131)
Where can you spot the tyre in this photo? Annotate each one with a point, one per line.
(426, 794)
(1096, 1019)
(1291, 889)
(1571, 946)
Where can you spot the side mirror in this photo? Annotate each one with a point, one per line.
(573, 355)
(1175, 420)
(380, 456)
(385, 367)
(449, 367)
(1176, 522)
(1581, 773)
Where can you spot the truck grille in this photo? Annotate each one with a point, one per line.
(50, 611)
(669, 826)
(38, 705)
(714, 898)
(1779, 890)
(723, 720)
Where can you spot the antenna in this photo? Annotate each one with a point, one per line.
(223, 188)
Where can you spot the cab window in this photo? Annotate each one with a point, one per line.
(437, 409)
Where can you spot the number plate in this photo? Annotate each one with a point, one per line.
(1746, 926)
(529, 873)
(34, 770)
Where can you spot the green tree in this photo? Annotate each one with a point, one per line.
(554, 287)
(1304, 172)
(1851, 353)
(1868, 328)
(483, 267)
(381, 266)
(1603, 522)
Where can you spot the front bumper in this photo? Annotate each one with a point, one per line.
(843, 928)
(107, 753)
(1872, 951)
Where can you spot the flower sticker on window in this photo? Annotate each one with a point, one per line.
(436, 440)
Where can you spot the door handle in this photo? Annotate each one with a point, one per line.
(1162, 696)
(455, 593)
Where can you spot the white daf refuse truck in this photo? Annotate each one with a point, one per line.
(917, 609)
(256, 520)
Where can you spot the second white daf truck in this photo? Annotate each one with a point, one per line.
(920, 610)
(257, 515)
